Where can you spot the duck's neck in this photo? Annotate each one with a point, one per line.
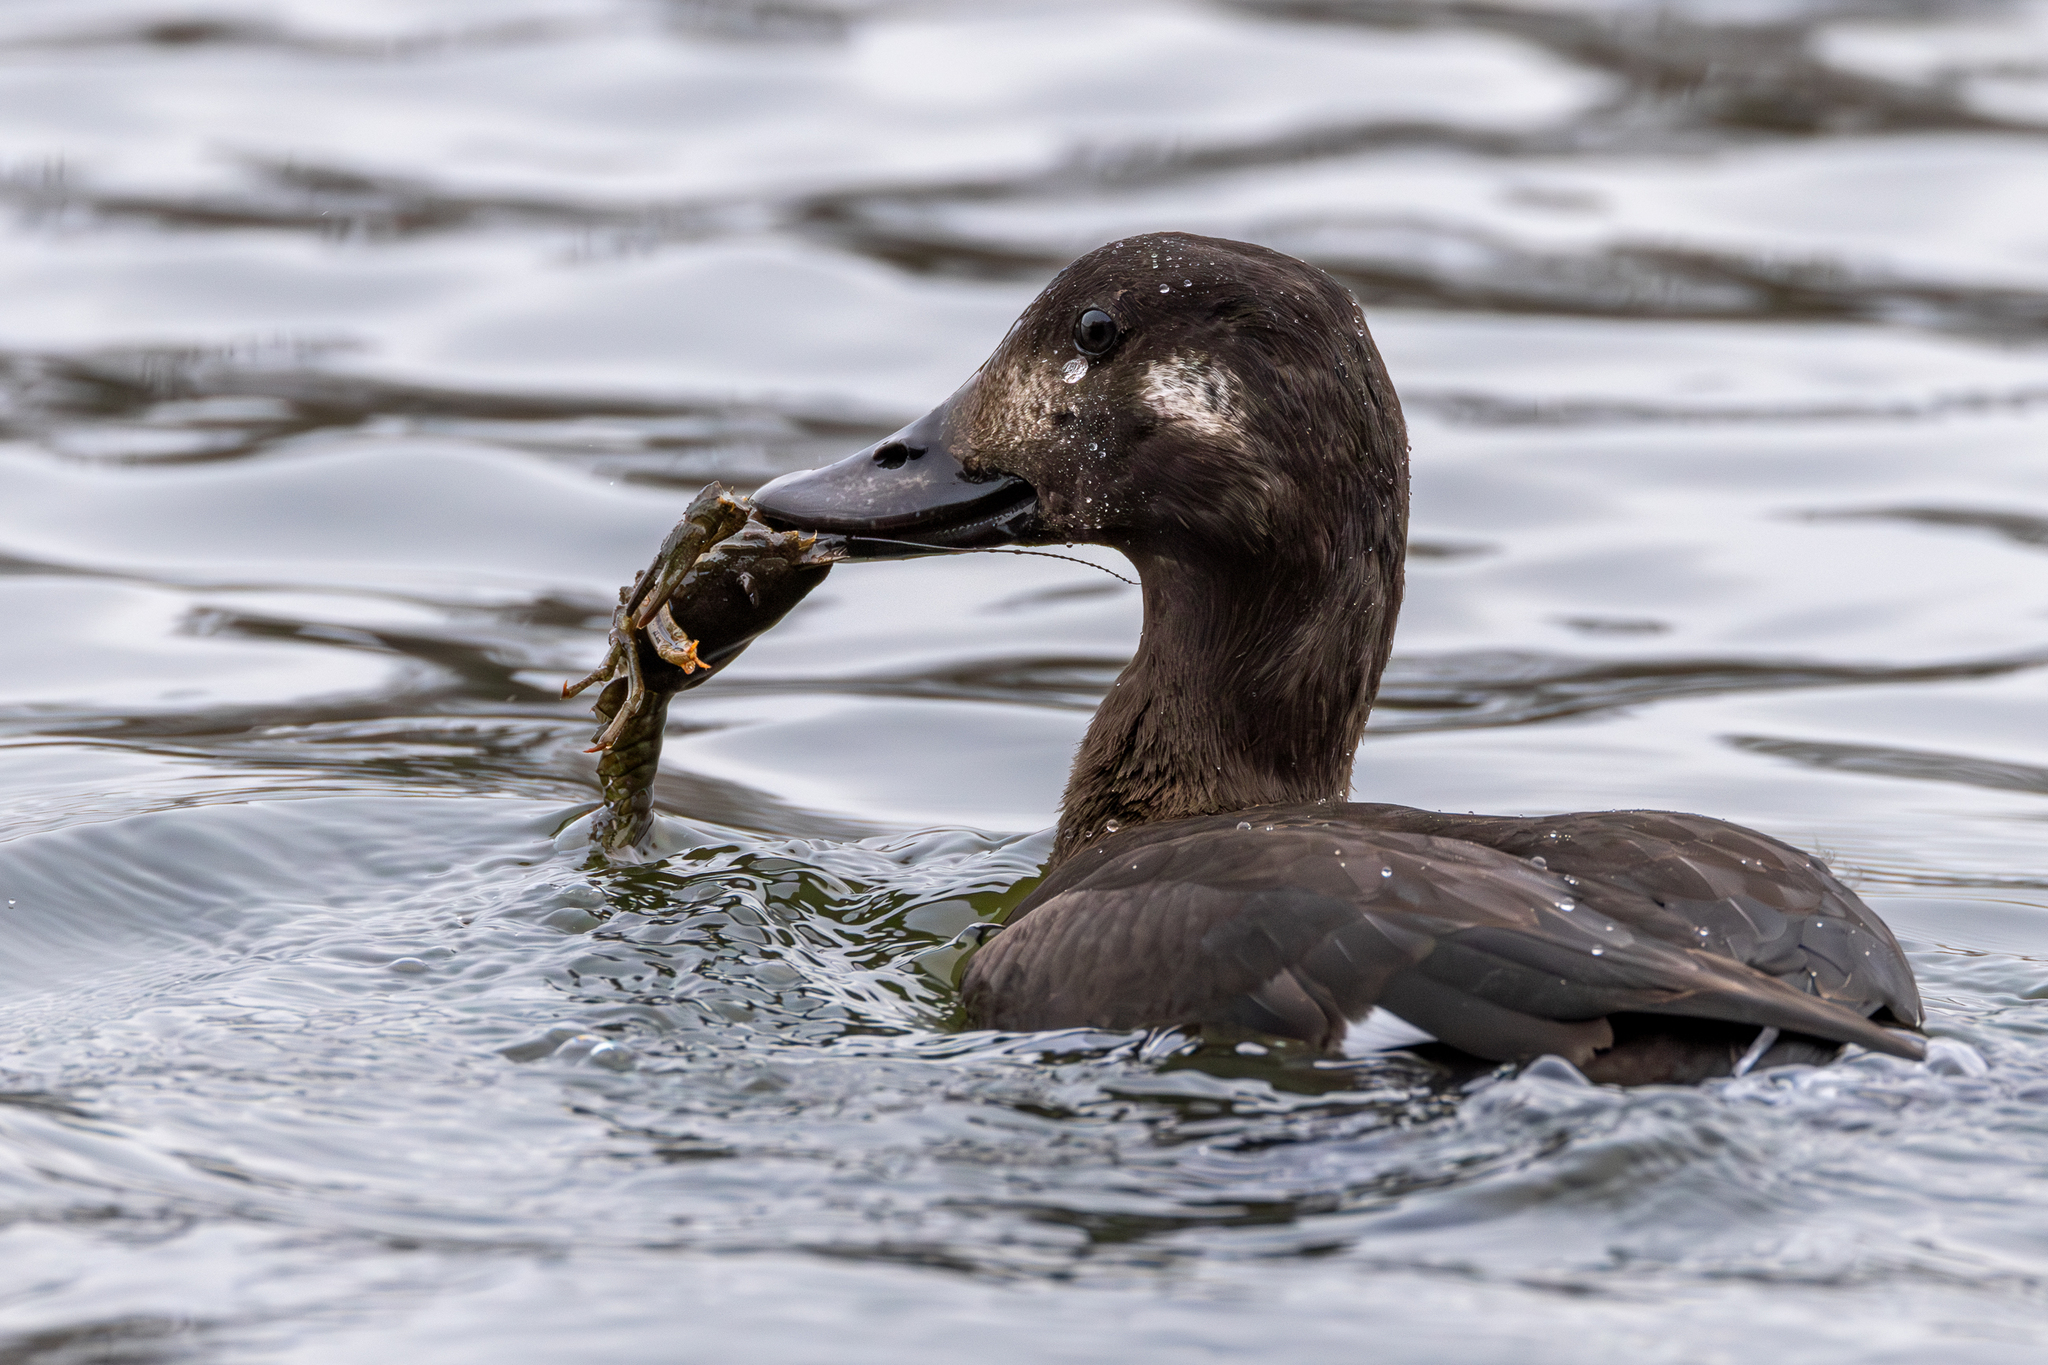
(1250, 687)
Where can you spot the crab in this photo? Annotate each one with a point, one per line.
(718, 581)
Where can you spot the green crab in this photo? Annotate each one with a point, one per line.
(719, 580)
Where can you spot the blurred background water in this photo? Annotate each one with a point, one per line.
(351, 354)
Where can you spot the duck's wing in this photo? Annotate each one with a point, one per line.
(1697, 882)
(1303, 927)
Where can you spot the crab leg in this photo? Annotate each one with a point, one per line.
(636, 692)
(604, 670)
(711, 517)
(671, 643)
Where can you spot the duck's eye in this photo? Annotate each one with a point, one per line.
(1095, 332)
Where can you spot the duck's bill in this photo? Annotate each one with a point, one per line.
(904, 495)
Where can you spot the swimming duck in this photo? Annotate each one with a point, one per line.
(1218, 413)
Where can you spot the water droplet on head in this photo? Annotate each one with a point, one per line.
(1244, 824)
(1166, 289)
(1111, 826)
(1567, 906)
(1386, 872)
(1599, 952)
(1538, 862)
(1074, 370)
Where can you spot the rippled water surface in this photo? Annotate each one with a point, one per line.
(351, 354)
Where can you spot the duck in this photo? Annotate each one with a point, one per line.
(1219, 414)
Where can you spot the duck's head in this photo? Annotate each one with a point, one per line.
(1175, 397)
(1217, 412)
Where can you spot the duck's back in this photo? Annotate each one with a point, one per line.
(1504, 938)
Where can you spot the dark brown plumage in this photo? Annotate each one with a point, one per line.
(1239, 440)
(1299, 919)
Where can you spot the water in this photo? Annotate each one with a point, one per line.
(352, 355)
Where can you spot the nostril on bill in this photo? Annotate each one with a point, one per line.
(894, 454)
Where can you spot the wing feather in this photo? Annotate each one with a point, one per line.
(1302, 928)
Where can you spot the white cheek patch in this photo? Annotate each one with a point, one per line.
(1193, 390)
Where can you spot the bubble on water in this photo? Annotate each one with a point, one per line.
(411, 966)
(1074, 371)
(588, 1047)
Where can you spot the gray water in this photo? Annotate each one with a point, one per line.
(352, 352)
